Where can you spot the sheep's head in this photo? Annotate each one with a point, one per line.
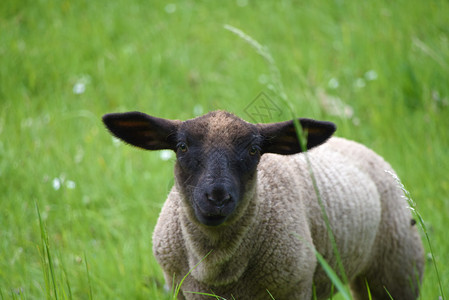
(217, 154)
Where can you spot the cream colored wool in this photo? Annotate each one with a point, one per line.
(269, 247)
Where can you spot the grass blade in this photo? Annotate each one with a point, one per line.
(265, 53)
(271, 296)
(333, 276)
(412, 206)
(389, 295)
(41, 252)
(302, 138)
(66, 279)
(368, 290)
(178, 286)
(208, 295)
(46, 256)
(88, 277)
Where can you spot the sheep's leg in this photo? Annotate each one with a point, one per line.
(302, 292)
(378, 290)
(169, 284)
(399, 270)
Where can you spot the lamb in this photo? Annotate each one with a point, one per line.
(243, 215)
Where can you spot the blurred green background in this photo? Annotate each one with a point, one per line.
(378, 69)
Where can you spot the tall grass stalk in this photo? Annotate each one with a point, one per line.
(417, 215)
(88, 277)
(279, 87)
(265, 53)
(208, 295)
(331, 236)
(333, 277)
(178, 286)
(46, 258)
(368, 290)
(66, 279)
(389, 295)
(271, 296)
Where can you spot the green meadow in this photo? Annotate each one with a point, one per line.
(378, 69)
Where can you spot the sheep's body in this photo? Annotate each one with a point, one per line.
(247, 201)
(270, 246)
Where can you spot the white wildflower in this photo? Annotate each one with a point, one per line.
(80, 85)
(115, 141)
(359, 83)
(70, 184)
(371, 75)
(170, 8)
(333, 83)
(61, 181)
(198, 109)
(56, 183)
(242, 3)
(79, 88)
(166, 154)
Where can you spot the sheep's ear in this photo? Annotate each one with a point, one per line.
(282, 138)
(142, 130)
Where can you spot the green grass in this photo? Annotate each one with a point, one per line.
(387, 61)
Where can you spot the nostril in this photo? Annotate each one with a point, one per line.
(209, 198)
(219, 199)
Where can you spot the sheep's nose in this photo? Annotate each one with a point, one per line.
(218, 196)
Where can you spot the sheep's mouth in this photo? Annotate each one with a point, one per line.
(212, 220)
(211, 216)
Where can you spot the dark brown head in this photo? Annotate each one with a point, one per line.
(217, 154)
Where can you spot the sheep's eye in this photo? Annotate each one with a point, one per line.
(183, 147)
(253, 150)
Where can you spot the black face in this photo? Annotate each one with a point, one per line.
(214, 171)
